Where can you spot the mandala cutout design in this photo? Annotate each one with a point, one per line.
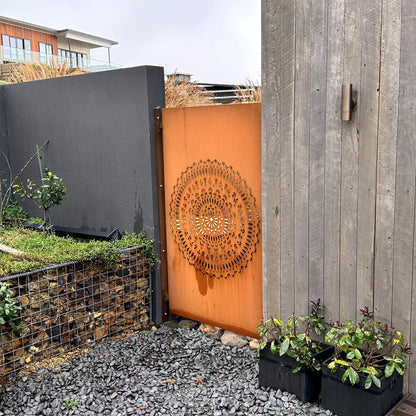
(214, 219)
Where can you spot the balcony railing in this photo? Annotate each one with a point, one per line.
(8, 55)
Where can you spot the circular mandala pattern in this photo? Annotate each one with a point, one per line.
(214, 219)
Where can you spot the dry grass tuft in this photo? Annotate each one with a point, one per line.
(250, 93)
(25, 72)
(185, 94)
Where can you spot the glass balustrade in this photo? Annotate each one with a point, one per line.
(9, 54)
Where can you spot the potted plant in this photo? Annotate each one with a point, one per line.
(365, 374)
(290, 359)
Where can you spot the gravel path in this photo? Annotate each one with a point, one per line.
(164, 372)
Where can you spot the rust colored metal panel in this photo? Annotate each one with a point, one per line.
(212, 173)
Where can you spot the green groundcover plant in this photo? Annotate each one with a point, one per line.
(41, 249)
(369, 348)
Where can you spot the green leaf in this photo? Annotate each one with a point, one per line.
(399, 368)
(332, 365)
(343, 362)
(277, 322)
(357, 354)
(353, 376)
(284, 346)
(376, 381)
(297, 367)
(273, 348)
(371, 370)
(388, 371)
(368, 382)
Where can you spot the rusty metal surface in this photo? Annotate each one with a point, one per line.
(215, 219)
(212, 184)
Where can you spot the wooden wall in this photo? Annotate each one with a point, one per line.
(34, 36)
(339, 197)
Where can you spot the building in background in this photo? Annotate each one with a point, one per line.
(27, 42)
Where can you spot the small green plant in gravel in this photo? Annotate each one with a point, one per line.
(9, 309)
(69, 402)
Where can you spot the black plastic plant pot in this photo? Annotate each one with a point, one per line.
(344, 399)
(275, 372)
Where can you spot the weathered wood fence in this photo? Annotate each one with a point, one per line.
(339, 197)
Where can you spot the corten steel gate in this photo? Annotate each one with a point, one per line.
(209, 175)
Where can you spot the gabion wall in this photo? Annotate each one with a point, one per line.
(72, 306)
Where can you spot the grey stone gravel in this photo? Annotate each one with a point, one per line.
(176, 371)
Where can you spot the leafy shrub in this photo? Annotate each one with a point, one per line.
(287, 338)
(13, 214)
(9, 309)
(369, 348)
(50, 193)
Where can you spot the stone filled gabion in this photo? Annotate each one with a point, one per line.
(168, 371)
(73, 305)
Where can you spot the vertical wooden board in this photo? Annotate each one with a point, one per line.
(317, 114)
(271, 158)
(386, 169)
(301, 155)
(229, 135)
(333, 128)
(349, 159)
(404, 232)
(287, 85)
(369, 94)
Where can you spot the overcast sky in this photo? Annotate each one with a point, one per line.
(215, 41)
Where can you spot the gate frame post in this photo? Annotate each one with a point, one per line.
(162, 212)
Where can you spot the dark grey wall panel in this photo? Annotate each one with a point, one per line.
(100, 128)
(4, 171)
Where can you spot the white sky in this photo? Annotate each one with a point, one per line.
(214, 40)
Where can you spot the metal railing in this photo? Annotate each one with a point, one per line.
(13, 55)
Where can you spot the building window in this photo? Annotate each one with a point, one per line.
(73, 59)
(16, 49)
(45, 53)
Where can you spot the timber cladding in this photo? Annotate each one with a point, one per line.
(339, 197)
(34, 36)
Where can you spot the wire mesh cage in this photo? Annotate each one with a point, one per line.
(69, 307)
